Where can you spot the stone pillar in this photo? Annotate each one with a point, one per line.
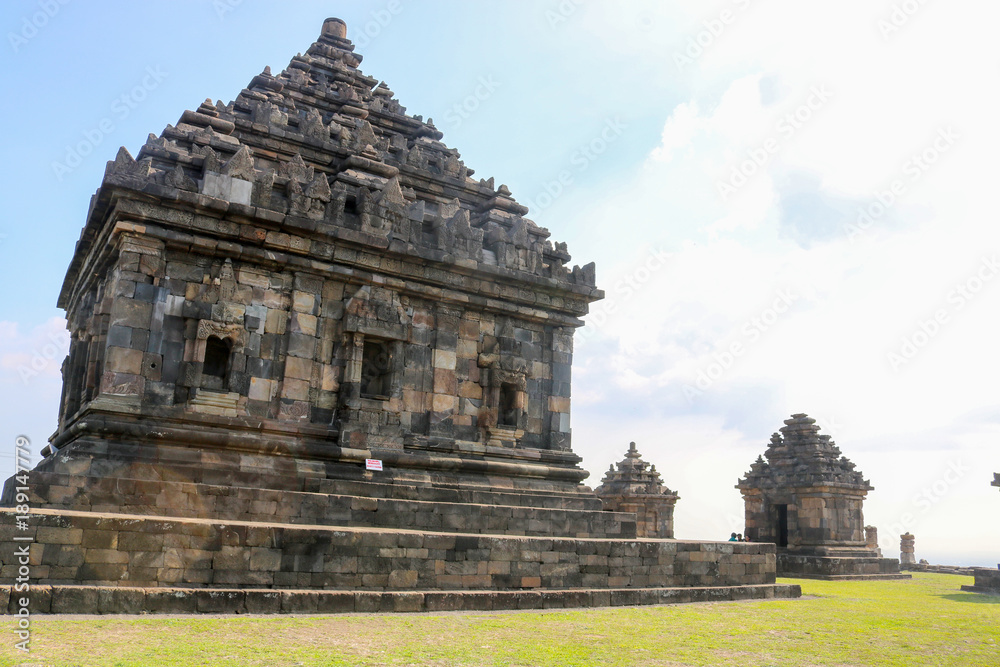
(906, 549)
(871, 539)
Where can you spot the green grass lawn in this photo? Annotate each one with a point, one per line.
(926, 621)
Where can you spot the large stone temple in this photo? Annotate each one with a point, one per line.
(317, 366)
(806, 498)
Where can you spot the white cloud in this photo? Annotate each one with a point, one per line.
(860, 295)
(30, 383)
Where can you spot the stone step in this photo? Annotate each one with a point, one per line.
(86, 458)
(848, 577)
(96, 549)
(182, 499)
(61, 599)
(827, 567)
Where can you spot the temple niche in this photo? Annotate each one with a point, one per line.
(806, 498)
(635, 486)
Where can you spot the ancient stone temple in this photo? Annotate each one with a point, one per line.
(317, 366)
(806, 498)
(636, 487)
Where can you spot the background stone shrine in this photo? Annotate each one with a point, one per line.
(636, 487)
(806, 498)
(273, 291)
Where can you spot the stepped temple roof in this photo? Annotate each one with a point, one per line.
(800, 457)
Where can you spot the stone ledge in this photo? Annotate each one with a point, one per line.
(94, 549)
(166, 498)
(120, 600)
(847, 577)
(834, 568)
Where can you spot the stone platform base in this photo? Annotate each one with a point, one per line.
(89, 548)
(834, 568)
(938, 569)
(849, 577)
(102, 563)
(119, 600)
(987, 581)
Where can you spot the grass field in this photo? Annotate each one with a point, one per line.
(926, 621)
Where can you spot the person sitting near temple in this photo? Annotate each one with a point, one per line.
(739, 537)
(732, 538)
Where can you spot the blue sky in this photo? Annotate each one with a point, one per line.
(790, 207)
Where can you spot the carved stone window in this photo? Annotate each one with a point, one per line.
(376, 369)
(351, 205)
(428, 233)
(216, 366)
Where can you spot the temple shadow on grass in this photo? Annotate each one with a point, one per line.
(972, 598)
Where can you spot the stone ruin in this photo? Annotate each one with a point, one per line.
(907, 551)
(986, 580)
(637, 488)
(317, 366)
(871, 540)
(806, 498)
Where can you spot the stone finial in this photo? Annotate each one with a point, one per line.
(334, 27)
(241, 165)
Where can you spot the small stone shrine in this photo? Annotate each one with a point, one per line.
(806, 498)
(636, 487)
(317, 366)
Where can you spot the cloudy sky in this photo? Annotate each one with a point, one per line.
(789, 205)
